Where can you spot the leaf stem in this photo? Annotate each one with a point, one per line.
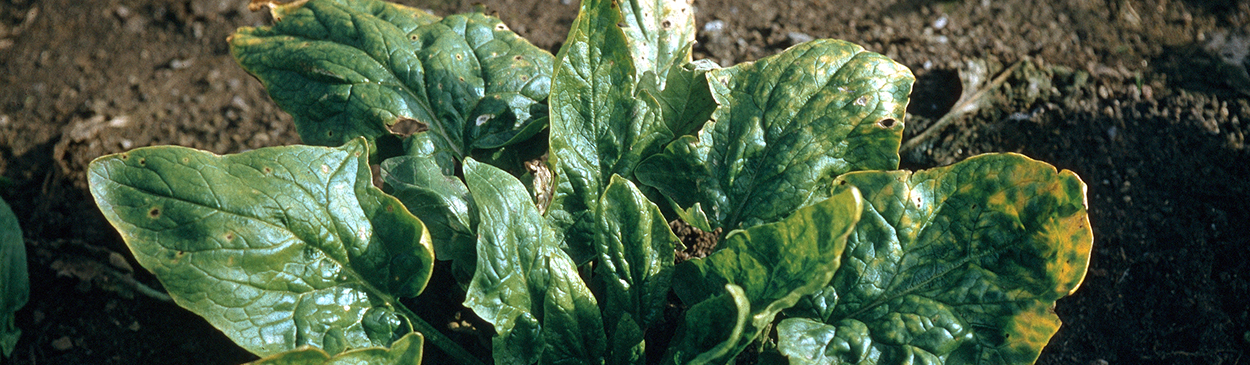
(444, 343)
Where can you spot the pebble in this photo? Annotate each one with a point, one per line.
(797, 37)
(715, 26)
(63, 343)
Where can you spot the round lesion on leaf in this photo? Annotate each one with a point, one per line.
(887, 123)
(154, 212)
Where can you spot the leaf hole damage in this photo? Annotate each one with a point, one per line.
(501, 27)
(886, 123)
(460, 57)
(266, 170)
(406, 126)
(517, 58)
(229, 236)
(154, 213)
(413, 37)
(125, 156)
(143, 161)
(666, 24)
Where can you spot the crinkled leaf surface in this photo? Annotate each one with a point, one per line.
(525, 285)
(775, 264)
(601, 124)
(958, 264)
(405, 351)
(14, 279)
(278, 247)
(635, 260)
(786, 126)
(350, 68)
(660, 34)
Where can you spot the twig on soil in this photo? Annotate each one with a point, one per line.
(968, 102)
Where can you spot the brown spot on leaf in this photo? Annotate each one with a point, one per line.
(154, 213)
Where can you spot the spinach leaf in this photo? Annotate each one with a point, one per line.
(346, 69)
(525, 285)
(959, 264)
(635, 264)
(786, 126)
(406, 350)
(433, 193)
(279, 247)
(14, 279)
(774, 265)
(610, 104)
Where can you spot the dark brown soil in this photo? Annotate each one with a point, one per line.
(1145, 100)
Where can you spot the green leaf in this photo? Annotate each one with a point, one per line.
(775, 264)
(437, 197)
(635, 261)
(712, 330)
(958, 264)
(685, 98)
(599, 124)
(346, 69)
(786, 126)
(659, 34)
(279, 247)
(14, 280)
(525, 285)
(405, 351)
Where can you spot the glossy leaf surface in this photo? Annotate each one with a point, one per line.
(786, 125)
(525, 285)
(346, 69)
(774, 264)
(601, 124)
(14, 279)
(441, 200)
(279, 247)
(958, 264)
(405, 351)
(713, 330)
(635, 261)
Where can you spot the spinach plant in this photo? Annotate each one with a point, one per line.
(14, 280)
(560, 239)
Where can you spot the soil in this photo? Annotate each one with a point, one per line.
(1146, 100)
